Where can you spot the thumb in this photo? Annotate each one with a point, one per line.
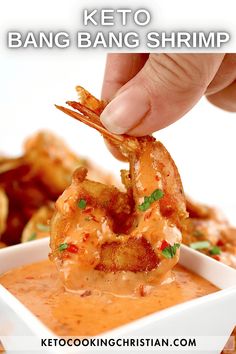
(167, 87)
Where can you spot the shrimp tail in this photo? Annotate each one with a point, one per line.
(89, 120)
(92, 119)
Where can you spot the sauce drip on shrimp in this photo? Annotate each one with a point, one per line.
(100, 235)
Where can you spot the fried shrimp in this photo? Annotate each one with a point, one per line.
(207, 230)
(101, 236)
(53, 162)
(3, 210)
(39, 225)
(38, 177)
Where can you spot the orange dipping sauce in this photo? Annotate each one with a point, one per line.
(39, 288)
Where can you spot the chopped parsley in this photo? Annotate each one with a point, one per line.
(82, 203)
(215, 250)
(32, 236)
(200, 245)
(170, 251)
(87, 218)
(156, 195)
(63, 247)
(43, 227)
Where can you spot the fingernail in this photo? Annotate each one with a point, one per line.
(126, 110)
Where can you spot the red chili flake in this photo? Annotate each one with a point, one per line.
(65, 255)
(164, 245)
(216, 257)
(147, 215)
(87, 210)
(220, 243)
(93, 218)
(85, 237)
(157, 178)
(86, 293)
(141, 290)
(72, 248)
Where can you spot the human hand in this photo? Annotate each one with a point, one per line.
(150, 91)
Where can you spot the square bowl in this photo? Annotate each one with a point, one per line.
(210, 315)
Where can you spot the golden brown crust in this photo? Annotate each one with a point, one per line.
(122, 257)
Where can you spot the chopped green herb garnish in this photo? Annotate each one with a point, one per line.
(144, 206)
(43, 227)
(87, 218)
(63, 246)
(215, 250)
(170, 251)
(82, 203)
(156, 195)
(32, 236)
(200, 245)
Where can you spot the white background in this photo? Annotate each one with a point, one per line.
(203, 143)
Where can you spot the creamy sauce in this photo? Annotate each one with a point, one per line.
(39, 288)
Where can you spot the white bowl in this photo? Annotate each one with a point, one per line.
(210, 315)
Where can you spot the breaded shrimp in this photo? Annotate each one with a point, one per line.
(100, 235)
(208, 231)
(51, 160)
(38, 177)
(39, 224)
(3, 210)
(2, 245)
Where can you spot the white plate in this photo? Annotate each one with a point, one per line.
(210, 315)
